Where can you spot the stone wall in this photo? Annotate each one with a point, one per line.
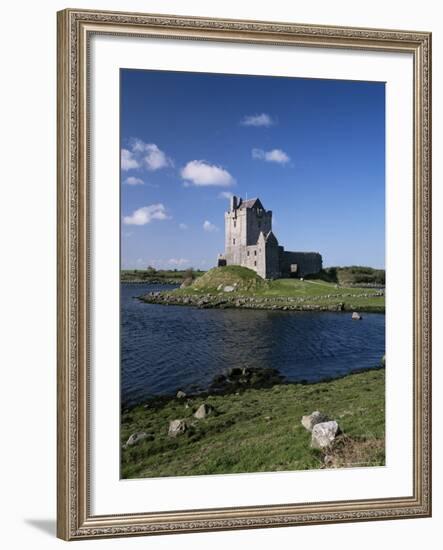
(235, 236)
(305, 262)
(257, 221)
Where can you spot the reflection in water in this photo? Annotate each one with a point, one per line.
(164, 348)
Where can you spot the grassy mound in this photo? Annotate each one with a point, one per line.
(240, 278)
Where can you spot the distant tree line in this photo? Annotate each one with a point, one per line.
(352, 275)
(151, 274)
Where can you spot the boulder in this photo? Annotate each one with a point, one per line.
(137, 437)
(228, 288)
(177, 427)
(323, 434)
(203, 411)
(219, 379)
(233, 372)
(180, 394)
(311, 420)
(356, 316)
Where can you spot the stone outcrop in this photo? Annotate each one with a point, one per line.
(323, 434)
(137, 437)
(237, 378)
(177, 427)
(311, 420)
(203, 411)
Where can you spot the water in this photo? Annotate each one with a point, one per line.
(164, 348)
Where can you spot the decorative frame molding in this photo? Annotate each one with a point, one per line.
(75, 28)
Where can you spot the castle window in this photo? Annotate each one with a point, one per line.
(255, 252)
(248, 252)
(235, 224)
(259, 225)
(255, 263)
(233, 241)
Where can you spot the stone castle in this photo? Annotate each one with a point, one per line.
(250, 242)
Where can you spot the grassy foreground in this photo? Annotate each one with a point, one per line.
(247, 289)
(259, 430)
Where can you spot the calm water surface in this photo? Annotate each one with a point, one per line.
(164, 348)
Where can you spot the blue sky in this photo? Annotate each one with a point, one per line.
(312, 150)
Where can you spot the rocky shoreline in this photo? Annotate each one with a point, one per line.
(224, 300)
(152, 281)
(239, 379)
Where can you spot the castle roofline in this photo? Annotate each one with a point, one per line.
(249, 203)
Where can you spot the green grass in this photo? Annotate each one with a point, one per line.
(259, 430)
(353, 275)
(315, 292)
(296, 287)
(244, 279)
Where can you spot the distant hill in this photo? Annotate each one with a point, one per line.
(354, 275)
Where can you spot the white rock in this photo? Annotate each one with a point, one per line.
(180, 394)
(177, 427)
(136, 438)
(228, 288)
(356, 316)
(323, 434)
(311, 420)
(203, 411)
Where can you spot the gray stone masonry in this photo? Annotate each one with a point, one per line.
(250, 242)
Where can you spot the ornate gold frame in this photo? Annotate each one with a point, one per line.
(74, 30)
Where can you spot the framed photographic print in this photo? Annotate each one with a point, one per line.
(243, 274)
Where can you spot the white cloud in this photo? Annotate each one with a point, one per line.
(210, 227)
(258, 120)
(147, 155)
(225, 195)
(183, 226)
(128, 162)
(178, 261)
(275, 155)
(133, 181)
(201, 173)
(155, 158)
(146, 214)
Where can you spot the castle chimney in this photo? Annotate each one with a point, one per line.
(233, 203)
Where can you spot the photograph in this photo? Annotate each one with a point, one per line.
(252, 273)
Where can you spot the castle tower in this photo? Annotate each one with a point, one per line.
(244, 222)
(250, 242)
